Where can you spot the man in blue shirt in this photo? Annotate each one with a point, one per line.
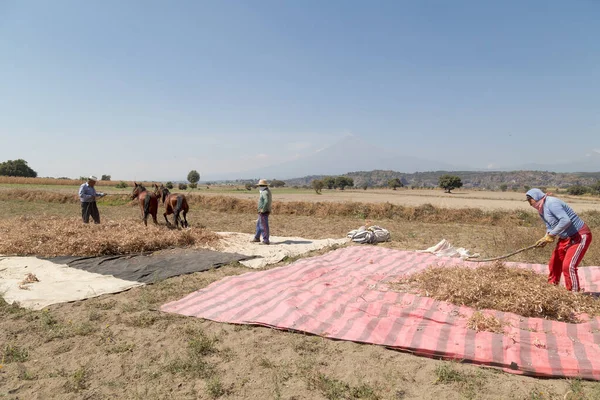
(87, 196)
(574, 237)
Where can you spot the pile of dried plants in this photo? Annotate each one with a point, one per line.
(498, 287)
(55, 236)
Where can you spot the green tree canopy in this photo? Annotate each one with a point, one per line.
(105, 178)
(395, 183)
(193, 176)
(277, 183)
(328, 182)
(577, 190)
(449, 182)
(596, 187)
(17, 168)
(342, 181)
(317, 185)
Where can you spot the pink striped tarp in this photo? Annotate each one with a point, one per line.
(343, 295)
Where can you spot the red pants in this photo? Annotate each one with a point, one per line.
(566, 257)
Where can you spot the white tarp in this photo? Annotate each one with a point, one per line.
(279, 248)
(445, 249)
(57, 283)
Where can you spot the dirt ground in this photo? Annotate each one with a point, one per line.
(121, 346)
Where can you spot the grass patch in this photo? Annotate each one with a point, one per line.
(334, 389)
(143, 320)
(193, 366)
(202, 345)
(199, 346)
(215, 388)
(94, 315)
(13, 310)
(77, 381)
(104, 305)
(25, 375)
(310, 345)
(84, 329)
(447, 373)
(469, 384)
(501, 288)
(120, 348)
(12, 353)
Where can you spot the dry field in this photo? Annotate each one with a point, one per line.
(120, 346)
(484, 200)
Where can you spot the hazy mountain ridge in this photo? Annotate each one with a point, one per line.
(353, 153)
(490, 180)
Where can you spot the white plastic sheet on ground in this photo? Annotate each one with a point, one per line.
(445, 249)
(58, 283)
(279, 248)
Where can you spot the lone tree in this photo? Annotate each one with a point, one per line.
(193, 178)
(342, 181)
(596, 187)
(277, 183)
(17, 168)
(577, 190)
(105, 178)
(318, 185)
(449, 182)
(395, 183)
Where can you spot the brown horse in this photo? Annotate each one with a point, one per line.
(174, 204)
(147, 200)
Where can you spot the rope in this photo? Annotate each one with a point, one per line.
(504, 256)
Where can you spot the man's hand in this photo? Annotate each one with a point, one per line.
(545, 240)
(100, 194)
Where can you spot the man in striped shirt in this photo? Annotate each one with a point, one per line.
(574, 237)
(87, 196)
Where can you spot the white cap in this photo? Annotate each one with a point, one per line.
(93, 178)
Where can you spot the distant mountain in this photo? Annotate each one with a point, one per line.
(490, 180)
(349, 154)
(588, 163)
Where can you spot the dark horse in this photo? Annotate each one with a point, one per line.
(147, 200)
(174, 204)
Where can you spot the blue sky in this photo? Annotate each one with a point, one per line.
(153, 89)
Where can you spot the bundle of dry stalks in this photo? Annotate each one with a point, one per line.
(56, 236)
(497, 287)
(423, 213)
(39, 195)
(482, 322)
(51, 181)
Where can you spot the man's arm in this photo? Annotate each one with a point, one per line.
(261, 202)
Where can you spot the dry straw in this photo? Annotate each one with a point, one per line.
(17, 180)
(55, 236)
(482, 322)
(497, 287)
(424, 213)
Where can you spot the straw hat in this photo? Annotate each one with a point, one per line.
(93, 178)
(262, 182)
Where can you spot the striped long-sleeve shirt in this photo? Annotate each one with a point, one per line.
(87, 194)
